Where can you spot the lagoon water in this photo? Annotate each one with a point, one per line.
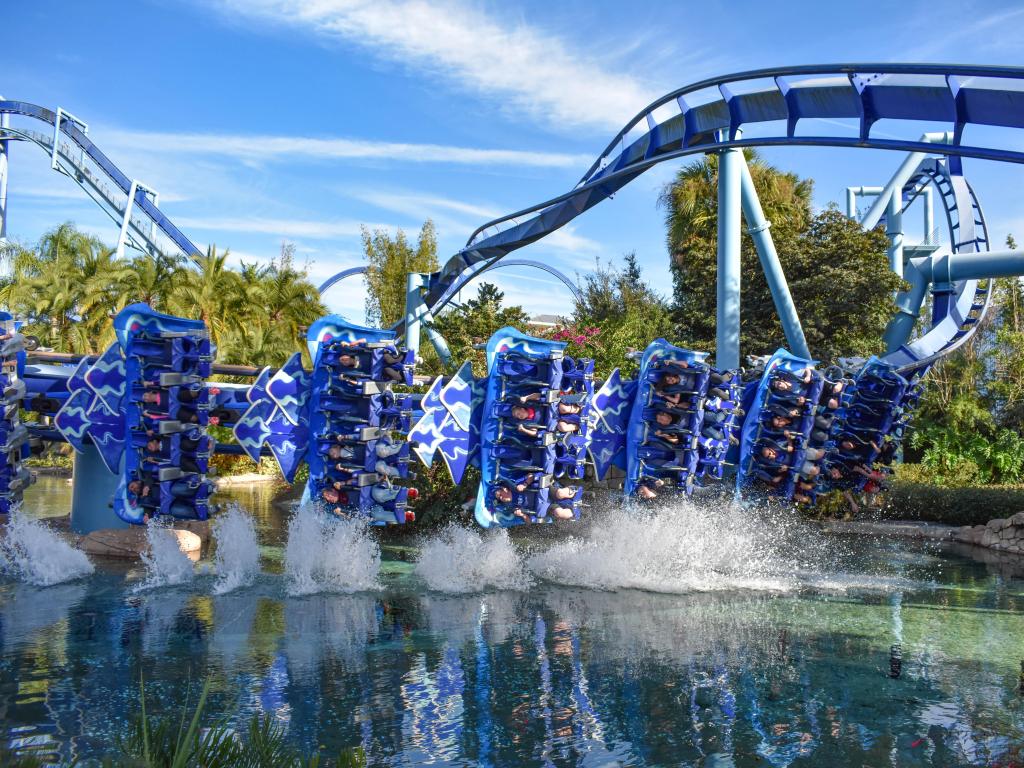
(694, 637)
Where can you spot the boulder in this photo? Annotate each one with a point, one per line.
(131, 542)
(1018, 519)
(997, 525)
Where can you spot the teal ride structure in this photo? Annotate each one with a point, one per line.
(538, 422)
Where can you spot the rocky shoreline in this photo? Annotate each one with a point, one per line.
(1002, 534)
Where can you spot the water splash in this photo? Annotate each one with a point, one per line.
(460, 560)
(166, 564)
(686, 547)
(329, 554)
(33, 552)
(237, 558)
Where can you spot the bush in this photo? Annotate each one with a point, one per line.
(919, 493)
(970, 505)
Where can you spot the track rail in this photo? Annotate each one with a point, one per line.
(149, 228)
(829, 105)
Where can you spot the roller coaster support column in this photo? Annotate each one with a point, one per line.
(760, 230)
(92, 490)
(416, 312)
(908, 305)
(4, 150)
(727, 346)
(894, 231)
(136, 186)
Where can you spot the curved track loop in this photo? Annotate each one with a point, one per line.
(103, 181)
(713, 114)
(956, 314)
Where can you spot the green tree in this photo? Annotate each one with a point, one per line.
(969, 422)
(51, 287)
(618, 313)
(838, 274)
(389, 261)
(474, 322)
(212, 293)
(70, 286)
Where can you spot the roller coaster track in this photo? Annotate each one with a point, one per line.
(77, 157)
(769, 105)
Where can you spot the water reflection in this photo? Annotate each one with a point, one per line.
(553, 675)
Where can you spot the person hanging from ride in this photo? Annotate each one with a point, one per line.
(567, 425)
(782, 380)
(525, 418)
(771, 452)
(568, 405)
(855, 446)
(513, 497)
(670, 390)
(666, 428)
(715, 426)
(339, 454)
(647, 487)
(393, 364)
(337, 498)
(149, 494)
(387, 448)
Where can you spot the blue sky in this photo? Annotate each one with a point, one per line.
(267, 120)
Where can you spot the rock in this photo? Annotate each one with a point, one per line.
(131, 542)
(989, 537)
(1018, 519)
(996, 525)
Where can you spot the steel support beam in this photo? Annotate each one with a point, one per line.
(126, 221)
(894, 189)
(5, 148)
(894, 231)
(727, 340)
(92, 491)
(908, 309)
(414, 310)
(55, 150)
(760, 230)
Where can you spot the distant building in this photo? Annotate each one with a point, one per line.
(543, 322)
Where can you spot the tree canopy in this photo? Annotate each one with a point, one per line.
(617, 313)
(838, 274)
(389, 260)
(68, 288)
(466, 325)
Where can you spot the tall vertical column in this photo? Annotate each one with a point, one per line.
(727, 342)
(760, 230)
(92, 492)
(894, 231)
(413, 311)
(4, 153)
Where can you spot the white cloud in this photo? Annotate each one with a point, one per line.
(256, 148)
(532, 70)
(995, 31)
(278, 227)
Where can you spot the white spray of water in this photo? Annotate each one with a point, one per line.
(459, 560)
(34, 553)
(682, 548)
(328, 554)
(166, 564)
(237, 559)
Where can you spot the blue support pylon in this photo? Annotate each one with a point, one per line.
(759, 229)
(727, 328)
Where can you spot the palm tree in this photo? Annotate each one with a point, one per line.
(211, 293)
